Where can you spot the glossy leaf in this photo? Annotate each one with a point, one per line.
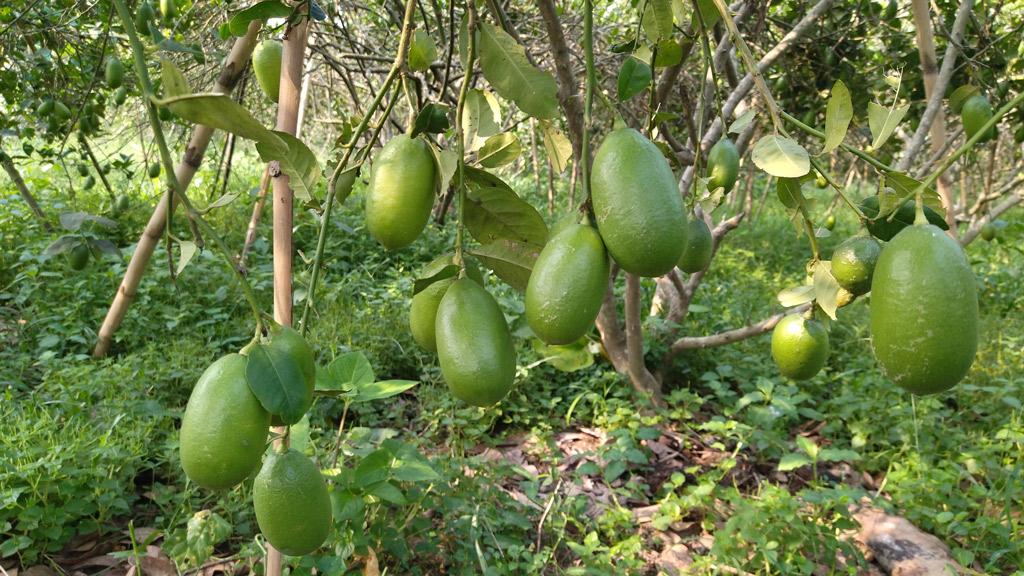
(238, 24)
(422, 51)
(634, 77)
(432, 119)
(795, 296)
(557, 145)
(276, 379)
(499, 150)
(505, 66)
(494, 211)
(382, 389)
(449, 271)
(346, 372)
(826, 289)
(511, 260)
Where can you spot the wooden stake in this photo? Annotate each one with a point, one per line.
(240, 54)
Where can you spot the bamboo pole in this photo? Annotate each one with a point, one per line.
(287, 121)
(230, 74)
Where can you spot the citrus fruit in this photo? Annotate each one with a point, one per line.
(637, 205)
(144, 16)
(78, 257)
(423, 311)
(924, 310)
(697, 254)
(266, 65)
(45, 108)
(122, 203)
(830, 222)
(820, 181)
(293, 508)
(723, 165)
(799, 346)
(224, 429)
(121, 95)
(89, 182)
(885, 229)
(61, 113)
(474, 346)
(988, 232)
(165, 114)
(567, 285)
(114, 73)
(975, 113)
(154, 170)
(853, 263)
(401, 192)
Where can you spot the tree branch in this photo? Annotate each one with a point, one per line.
(729, 336)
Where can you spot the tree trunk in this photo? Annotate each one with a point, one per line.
(240, 54)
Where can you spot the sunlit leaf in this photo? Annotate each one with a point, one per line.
(634, 77)
(499, 150)
(780, 156)
(884, 121)
(838, 114)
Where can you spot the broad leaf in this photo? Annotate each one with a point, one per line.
(669, 53)
(72, 221)
(505, 66)
(347, 372)
(634, 77)
(105, 246)
(780, 156)
(499, 150)
(62, 244)
(422, 51)
(224, 200)
(296, 160)
(494, 211)
(219, 112)
(657, 19)
(449, 271)
(708, 12)
(512, 261)
(174, 82)
(558, 147)
(567, 358)
(883, 121)
(808, 446)
(481, 118)
(447, 163)
(793, 461)
(789, 193)
(388, 492)
(276, 380)
(838, 114)
(382, 389)
(905, 185)
(188, 250)
(795, 295)
(826, 289)
(239, 22)
(432, 119)
(961, 95)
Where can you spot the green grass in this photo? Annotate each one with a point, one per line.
(93, 443)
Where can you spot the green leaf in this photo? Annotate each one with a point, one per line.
(789, 193)
(796, 295)
(276, 380)
(298, 435)
(657, 19)
(904, 185)
(418, 470)
(373, 468)
(220, 112)
(634, 77)
(780, 156)
(826, 289)
(494, 211)
(743, 121)
(883, 121)
(72, 221)
(556, 144)
(432, 119)
(296, 160)
(449, 271)
(505, 66)
(447, 162)
(511, 260)
(669, 53)
(838, 114)
(346, 372)
(62, 244)
(808, 446)
(708, 12)
(792, 462)
(838, 455)
(499, 150)
(382, 389)
(422, 51)
(567, 358)
(613, 470)
(388, 492)
(188, 250)
(961, 95)
(481, 118)
(238, 24)
(174, 82)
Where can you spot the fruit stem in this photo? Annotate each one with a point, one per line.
(332, 184)
(809, 226)
(460, 144)
(142, 73)
(588, 100)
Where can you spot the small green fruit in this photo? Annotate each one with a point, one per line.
(122, 203)
(266, 64)
(61, 113)
(799, 346)
(45, 109)
(224, 429)
(853, 263)
(89, 182)
(114, 74)
(699, 245)
(143, 17)
(830, 222)
(78, 257)
(401, 192)
(154, 169)
(168, 10)
(474, 346)
(975, 113)
(723, 165)
(423, 311)
(567, 285)
(121, 95)
(293, 507)
(885, 229)
(988, 232)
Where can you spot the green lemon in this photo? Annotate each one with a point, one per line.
(154, 169)
(474, 346)
(78, 257)
(723, 165)
(168, 10)
(120, 95)
(266, 65)
(165, 114)
(401, 191)
(122, 203)
(89, 182)
(975, 113)
(293, 508)
(61, 113)
(567, 285)
(697, 254)
(45, 108)
(820, 181)
(144, 16)
(853, 263)
(924, 311)
(224, 430)
(423, 311)
(830, 222)
(885, 229)
(988, 232)
(799, 346)
(637, 205)
(114, 73)
(83, 170)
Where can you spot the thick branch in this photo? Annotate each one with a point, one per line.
(729, 336)
(568, 88)
(642, 379)
(19, 183)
